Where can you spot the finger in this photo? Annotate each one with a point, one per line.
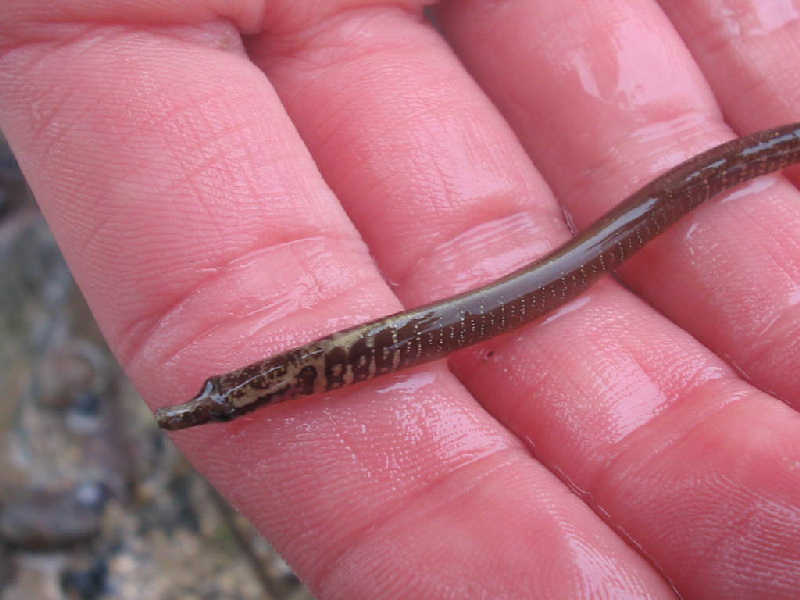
(204, 237)
(745, 51)
(616, 91)
(642, 105)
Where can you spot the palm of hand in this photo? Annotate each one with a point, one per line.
(204, 237)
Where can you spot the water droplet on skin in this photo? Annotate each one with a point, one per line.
(754, 187)
(758, 19)
(409, 385)
(688, 237)
(568, 308)
(794, 297)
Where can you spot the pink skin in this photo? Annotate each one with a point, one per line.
(204, 236)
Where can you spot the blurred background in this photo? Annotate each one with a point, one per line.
(95, 502)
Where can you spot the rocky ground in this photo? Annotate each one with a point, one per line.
(95, 502)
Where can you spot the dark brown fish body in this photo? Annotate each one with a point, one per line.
(430, 332)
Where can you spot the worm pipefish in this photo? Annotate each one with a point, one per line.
(432, 331)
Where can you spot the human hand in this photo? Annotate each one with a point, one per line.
(204, 238)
